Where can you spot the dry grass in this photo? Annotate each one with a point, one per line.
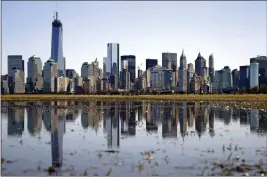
(190, 97)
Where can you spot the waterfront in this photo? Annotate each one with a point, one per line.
(132, 138)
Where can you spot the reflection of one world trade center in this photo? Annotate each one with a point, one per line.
(58, 129)
(111, 126)
(56, 118)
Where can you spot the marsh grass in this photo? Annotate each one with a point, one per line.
(174, 97)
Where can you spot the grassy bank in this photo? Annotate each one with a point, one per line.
(191, 97)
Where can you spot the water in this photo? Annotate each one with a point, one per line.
(114, 138)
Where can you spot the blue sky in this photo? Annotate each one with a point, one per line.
(232, 31)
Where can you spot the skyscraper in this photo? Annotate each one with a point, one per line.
(106, 67)
(57, 46)
(113, 58)
(14, 62)
(131, 65)
(16, 74)
(254, 75)
(150, 63)
(200, 65)
(211, 68)
(262, 60)
(183, 73)
(169, 61)
(34, 79)
(50, 73)
(244, 77)
(190, 74)
(235, 78)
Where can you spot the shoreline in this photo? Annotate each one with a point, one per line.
(174, 97)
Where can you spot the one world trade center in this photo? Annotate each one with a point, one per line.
(57, 46)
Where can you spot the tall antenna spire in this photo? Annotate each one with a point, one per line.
(57, 5)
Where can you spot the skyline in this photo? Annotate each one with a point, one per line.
(144, 42)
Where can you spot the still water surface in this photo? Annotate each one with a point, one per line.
(114, 138)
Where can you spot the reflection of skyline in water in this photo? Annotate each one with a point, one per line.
(122, 118)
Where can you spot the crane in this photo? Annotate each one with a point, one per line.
(139, 66)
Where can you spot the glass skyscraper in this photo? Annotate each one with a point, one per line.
(57, 46)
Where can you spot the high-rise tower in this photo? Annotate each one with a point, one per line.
(183, 73)
(57, 46)
(200, 65)
(211, 67)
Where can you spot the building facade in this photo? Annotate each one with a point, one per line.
(14, 61)
(71, 73)
(235, 78)
(113, 50)
(125, 79)
(244, 77)
(17, 82)
(131, 65)
(161, 78)
(150, 63)
(183, 73)
(254, 75)
(169, 61)
(50, 72)
(262, 60)
(190, 74)
(34, 79)
(61, 84)
(211, 68)
(200, 66)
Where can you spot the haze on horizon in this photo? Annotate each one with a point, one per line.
(233, 31)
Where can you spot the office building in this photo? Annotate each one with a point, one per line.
(71, 73)
(14, 61)
(190, 74)
(71, 86)
(57, 46)
(4, 84)
(131, 65)
(211, 68)
(34, 79)
(106, 67)
(183, 73)
(262, 60)
(124, 65)
(114, 82)
(254, 75)
(244, 77)
(226, 77)
(85, 70)
(125, 79)
(200, 66)
(78, 84)
(61, 84)
(113, 51)
(147, 75)
(50, 72)
(161, 78)
(235, 78)
(17, 81)
(150, 63)
(169, 61)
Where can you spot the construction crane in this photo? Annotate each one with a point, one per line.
(139, 66)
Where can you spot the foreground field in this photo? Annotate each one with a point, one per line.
(190, 97)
